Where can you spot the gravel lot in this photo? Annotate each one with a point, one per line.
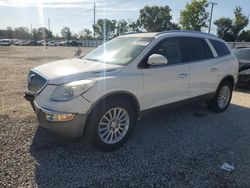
(179, 147)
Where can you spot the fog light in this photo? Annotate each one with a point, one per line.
(59, 117)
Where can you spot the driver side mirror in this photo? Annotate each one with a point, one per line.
(157, 59)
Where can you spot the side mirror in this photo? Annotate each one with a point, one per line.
(157, 59)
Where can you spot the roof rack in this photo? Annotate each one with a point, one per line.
(185, 31)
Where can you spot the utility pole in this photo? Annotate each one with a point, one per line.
(94, 21)
(31, 33)
(48, 24)
(211, 15)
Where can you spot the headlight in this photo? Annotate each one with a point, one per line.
(244, 72)
(71, 90)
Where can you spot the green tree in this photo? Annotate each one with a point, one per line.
(66, 33)
(105, 28)
(156, 18)
(85, 34)
(9, 32)
(44, 33)
(245, 36)
(229, 29)
(121, 27)
(195, 15)
(224, 28)
(240, 21)
(135, 26)
(35, 35)
(21, 33)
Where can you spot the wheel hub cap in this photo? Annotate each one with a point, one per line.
(224, 97)
(113, 125)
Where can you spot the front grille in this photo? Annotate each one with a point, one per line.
(35, 82)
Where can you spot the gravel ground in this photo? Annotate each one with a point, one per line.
(180, 147)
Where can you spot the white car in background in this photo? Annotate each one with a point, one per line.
(52, 43)
(104, 94)
(6, 42)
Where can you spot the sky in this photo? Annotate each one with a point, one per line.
(78, 14)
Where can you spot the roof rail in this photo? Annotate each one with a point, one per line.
(132, 32)
(185, 31)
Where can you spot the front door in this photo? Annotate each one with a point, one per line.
(164, 84)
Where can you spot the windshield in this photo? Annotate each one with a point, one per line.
(120, 51)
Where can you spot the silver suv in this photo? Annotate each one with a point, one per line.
(103, 94)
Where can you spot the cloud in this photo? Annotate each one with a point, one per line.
(109, 5)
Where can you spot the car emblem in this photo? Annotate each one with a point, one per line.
(30, 77)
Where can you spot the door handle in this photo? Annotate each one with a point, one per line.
(213, 69)
(183, 75)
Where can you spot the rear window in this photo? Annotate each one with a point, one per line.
(220, 47)
(194, 49)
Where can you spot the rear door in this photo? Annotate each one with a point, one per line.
(202, 65)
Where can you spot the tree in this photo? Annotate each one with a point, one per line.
(21, 33)
(155, 19)
(195, 15)
(9, 32)
(245, 36)
(105, 28)
(44, 33)
(35, 35)
(85, 34)
(240, 22)
(224, 28)
(121, 27)
(66, 33)
(135, 26)
(229, 29)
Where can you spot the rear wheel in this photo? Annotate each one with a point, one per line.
(110, 124)
(222, 98)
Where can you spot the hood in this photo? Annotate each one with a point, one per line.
(68, 70)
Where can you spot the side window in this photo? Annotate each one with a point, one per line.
(220, 47)
(195, 49)
(170, 49)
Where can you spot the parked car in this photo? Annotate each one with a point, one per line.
(104, 94)
(70, 43)
(243, 55)
(6, 42)
(63, 43)
(33, 43)
(52, 43)
(20, 43)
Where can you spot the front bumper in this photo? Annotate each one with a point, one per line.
(69, 129)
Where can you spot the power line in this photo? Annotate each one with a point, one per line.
(211, 15)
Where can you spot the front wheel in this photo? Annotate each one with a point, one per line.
(222, 98)
(110, 124)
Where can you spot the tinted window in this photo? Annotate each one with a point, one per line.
(194, 49)
(169, 48)
(220, 47)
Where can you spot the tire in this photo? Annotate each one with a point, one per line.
(100, 131)
(222, 98)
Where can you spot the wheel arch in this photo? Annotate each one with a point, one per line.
(228, 78)
(125, 95)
